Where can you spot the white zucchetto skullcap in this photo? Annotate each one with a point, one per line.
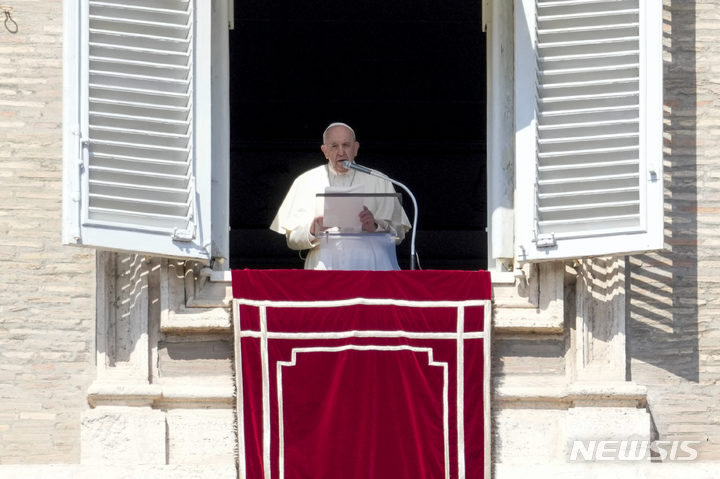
(332, 125)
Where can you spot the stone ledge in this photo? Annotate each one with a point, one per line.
(175, 393)
(603, 394)
(196, 320)
(583, 392)
(78, 471)
(202, 393)
(219, 320)
(526, 320)
(212, 314)
(117, 393)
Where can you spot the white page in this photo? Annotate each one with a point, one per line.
(343, 212)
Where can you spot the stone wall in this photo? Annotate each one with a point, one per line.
(47, 319)
(673, 328)
(47, 291)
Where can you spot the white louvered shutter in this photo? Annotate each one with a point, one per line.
(138, 150)
(589, 127)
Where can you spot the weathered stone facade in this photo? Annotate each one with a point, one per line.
(52, 297)
(47, 291)
(673, 327)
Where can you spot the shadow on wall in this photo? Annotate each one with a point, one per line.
(662, 325)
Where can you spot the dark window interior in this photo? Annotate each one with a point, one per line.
(407, 75)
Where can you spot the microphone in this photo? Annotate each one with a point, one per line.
(353, 166)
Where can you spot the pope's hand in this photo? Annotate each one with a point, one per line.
(317, 225)
(368, 220)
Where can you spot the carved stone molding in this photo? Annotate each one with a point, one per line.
(192, 302)
(179, 393)
(607, 394)
(599, 332)
(533, 303)
(123, 290)
(139, 300)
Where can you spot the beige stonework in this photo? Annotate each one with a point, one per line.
(59, 471)
(582, 348)
(673, 329)
(47, 291)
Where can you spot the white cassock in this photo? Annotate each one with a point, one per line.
(300, 205)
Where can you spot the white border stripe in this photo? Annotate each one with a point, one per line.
(358, 334)
(266, 390)
(446, 414)
(240, 406)
(487, 410)
(361, 301)
(281, 413)
(460, 396)
(293, 362)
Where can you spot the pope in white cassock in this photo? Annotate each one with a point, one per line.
(298, 220)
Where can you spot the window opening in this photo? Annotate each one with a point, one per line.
(408, 76)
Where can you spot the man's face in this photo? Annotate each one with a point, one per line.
(340, 145)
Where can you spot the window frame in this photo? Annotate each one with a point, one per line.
(76, 230)
(651, 143)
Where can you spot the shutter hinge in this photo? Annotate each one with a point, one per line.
(545, 241)
(84, 147)
(76, 195)
(84, 153)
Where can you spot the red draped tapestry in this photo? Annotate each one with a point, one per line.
(362, 374)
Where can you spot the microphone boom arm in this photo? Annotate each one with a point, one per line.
(369, 171)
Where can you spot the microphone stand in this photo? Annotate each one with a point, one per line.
(368, 171)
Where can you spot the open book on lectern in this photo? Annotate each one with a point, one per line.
(340, 207)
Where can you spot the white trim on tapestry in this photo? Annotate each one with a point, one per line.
(362, 301)
(264, 361)
(429, 351)
(358, 334)
(239, 407)
(487, 396)
(460, 385)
